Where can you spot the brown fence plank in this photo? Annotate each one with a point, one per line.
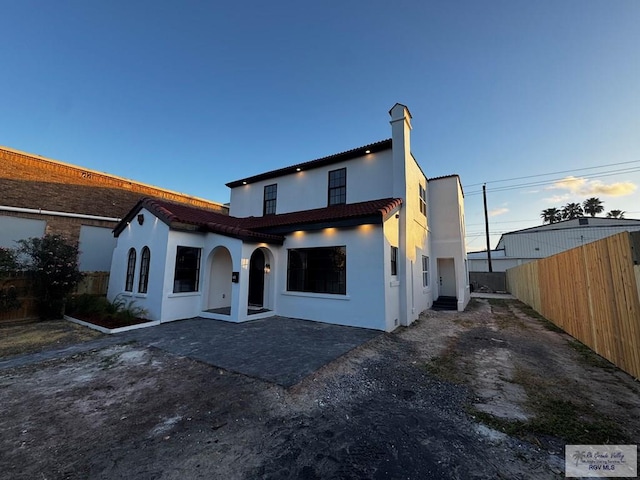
(93, 283)
(591, 292)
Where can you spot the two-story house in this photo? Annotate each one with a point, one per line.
(358, 238)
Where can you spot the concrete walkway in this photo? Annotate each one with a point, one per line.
(276, 349)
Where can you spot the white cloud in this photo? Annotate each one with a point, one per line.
(582, 186)
(498, 211)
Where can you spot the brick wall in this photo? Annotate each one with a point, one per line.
(33, 182)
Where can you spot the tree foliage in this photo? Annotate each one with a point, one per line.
(8, 261)
(53, 265)
(571, 211)
(551, 215)
(592, 206)
(615, 214)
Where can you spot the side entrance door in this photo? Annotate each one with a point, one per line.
(446, 277)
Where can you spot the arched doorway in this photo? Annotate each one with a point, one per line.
(219, 298)
(256, 279)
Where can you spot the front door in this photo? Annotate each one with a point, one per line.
(256, 279)
(446, 277)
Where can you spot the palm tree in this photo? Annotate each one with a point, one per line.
(593, 206)
(551, 215)
(615, 214)
(571, 211)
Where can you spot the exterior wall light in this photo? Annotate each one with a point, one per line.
(298, 169)
(140, 219)
(267, 268)
(244, 183)
(367, 151)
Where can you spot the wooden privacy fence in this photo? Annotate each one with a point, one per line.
(93, 283)
(592, 292)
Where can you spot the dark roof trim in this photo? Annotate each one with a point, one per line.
(320, 162)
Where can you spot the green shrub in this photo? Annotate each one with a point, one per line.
(120, 308)
(8, 261)
(53, 266)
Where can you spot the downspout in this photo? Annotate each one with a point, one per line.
(39, 211)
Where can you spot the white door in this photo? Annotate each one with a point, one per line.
(446, 277)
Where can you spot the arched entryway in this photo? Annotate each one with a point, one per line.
(219, 298)
(256, 279)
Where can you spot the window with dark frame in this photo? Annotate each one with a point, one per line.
(394, 260)
(425, 271)
(145, 260)
(338, 186)
(423, 200)
(187, 274)
(317, 270)
(131, 270)
(270, 197)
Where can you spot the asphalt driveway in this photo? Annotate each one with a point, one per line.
(277, 349)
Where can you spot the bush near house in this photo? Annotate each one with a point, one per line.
(52, 264)
(100, 311)
(8, 292)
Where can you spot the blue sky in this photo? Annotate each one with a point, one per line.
(190, 95)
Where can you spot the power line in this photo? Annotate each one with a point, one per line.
(552, 181)
(551, 173)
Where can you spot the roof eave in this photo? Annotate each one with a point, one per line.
(321, 162)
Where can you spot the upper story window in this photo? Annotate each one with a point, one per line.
(145, 261)
(131, 270)
(270, 196)
(338, 186)
(423, 200)
(394, 260)
(187, 274)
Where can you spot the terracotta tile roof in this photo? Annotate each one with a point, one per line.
(262, 229)
(373, 208)
(320, 162)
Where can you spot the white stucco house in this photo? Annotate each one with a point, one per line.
(529, 244)
(359, 238)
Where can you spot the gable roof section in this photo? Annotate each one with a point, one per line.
(268, 229)
(320, 162)
(186, 217)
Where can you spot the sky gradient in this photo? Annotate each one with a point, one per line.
(191, 95)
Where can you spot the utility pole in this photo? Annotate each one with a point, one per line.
(486, 224)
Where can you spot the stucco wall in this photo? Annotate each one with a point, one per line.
(367, 179)
(363, 305)
(153, 233)
(446, 210)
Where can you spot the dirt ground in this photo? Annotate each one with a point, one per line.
(492, 392)
(20, 338)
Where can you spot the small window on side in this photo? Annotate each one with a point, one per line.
(394, 260)
(131, 270)
(145, 261)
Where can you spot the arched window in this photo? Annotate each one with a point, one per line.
(131, 270)
(144, 270)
